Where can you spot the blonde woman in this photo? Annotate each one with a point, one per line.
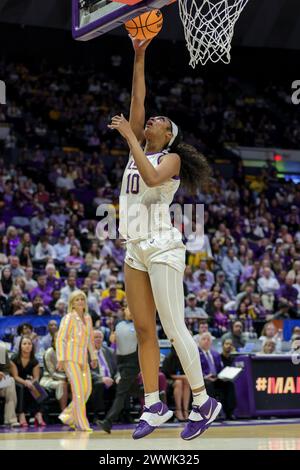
(74, 340)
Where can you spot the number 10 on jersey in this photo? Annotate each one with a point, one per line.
(133, 183)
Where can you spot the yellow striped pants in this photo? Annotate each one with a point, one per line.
(79, 377)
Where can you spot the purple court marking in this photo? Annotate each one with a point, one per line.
(57, 428)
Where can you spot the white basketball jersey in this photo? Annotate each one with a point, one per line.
(144, 211)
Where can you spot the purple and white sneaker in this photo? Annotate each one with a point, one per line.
(151, 419)
(201, 418)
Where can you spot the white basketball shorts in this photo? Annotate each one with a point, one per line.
(141, 255)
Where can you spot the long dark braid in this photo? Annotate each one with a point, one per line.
(195, 172)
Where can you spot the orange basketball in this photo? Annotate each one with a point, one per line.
(145, 26)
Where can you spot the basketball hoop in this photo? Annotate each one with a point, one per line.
(209, 28)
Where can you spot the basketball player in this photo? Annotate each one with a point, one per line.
(155, 258)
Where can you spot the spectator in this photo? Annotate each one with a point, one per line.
(270, 331)
(295, 331)
(198, 246)
(52, 378)
(220, 319)
(38, 307)
(25, 257)
(25, 369)
(44, 251)
(68, 289)
(52, 279)
(16, 269)
(13, 239)
(47, 341)
(6, 282)
(7, 389)
(268, 285)
(120, 293)
(212, 365)
(172, 369)
(38, 223)
(236, 335)
(190, 282)
(209, 275)
(227, 350)
(30, 283)
(295, 346)
(60, 308)
(109, 305)
(288, 294)
(62, 249)
(26, 242)
(55, 297)
(297, 287)
(103, 377)
(25, 329)
(15, 305)
(74, 260)
(295, 271)
(203, 328)
(42, 290)
(233, 269)
(268, 347)
(282, 312)
(193, 313)
(225, 287)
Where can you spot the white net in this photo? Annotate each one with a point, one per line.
(209, 27)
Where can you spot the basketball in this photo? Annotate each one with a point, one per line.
(145, 26)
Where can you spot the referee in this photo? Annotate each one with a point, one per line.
(128, 365)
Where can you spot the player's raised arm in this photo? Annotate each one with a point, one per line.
(137, 108)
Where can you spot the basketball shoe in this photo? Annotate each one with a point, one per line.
(201, 417)
(151, 419)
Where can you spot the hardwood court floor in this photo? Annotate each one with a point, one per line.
(252, 435)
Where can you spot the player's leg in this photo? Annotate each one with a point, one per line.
(167, 288)
(142, 307)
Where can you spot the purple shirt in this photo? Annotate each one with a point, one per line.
(209, 276)
(44, 293)
(247, 273)
(109, 303)
(220, 320)
(13, 243)
(192, 285)
(74, 260)
(54, 284)
(289, 293)
(119, 255)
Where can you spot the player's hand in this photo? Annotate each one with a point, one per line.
(120, 124)
(2, 376)
(140, 45)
